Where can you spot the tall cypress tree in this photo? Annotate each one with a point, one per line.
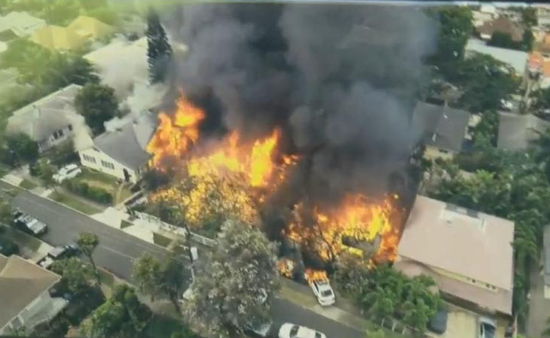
(159, 50)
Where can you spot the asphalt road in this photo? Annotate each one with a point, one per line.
(118, 250)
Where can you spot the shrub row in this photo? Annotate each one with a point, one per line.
(85, 190)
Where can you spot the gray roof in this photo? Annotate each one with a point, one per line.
(515, 58)
(447, 124)
(128, 143)
(546, 240)
(42, 118)
(515, 132)
(20, 283)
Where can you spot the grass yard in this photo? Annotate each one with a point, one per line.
(26, 184)
(161, 240)
(74, 203)
(106, 278)
(21, 238)
(164, 327)
(103, 181)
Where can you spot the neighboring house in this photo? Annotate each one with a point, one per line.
(79, 32)
(485, 14)
(121, 150)
(25, 299)
(51, 120)
(131, 56)
(539, 68)
(469, 254)
(543, 46)
(444, 130)
(501, 25)
(516, 132)
(18, 24)
(515, 58)
(546, 262)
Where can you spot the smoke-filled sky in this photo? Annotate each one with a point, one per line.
(340, 80)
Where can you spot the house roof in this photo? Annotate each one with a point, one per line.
(500, 300)
(515, 132)
(21, 282)
(42, 118)
(121, 54)
(447, 124)
(464, 242)
(89, 27)
(20, 23)
(502, 25)
(127, 143)
(515, 58)
(56, 37)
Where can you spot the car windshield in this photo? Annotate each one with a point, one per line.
(294, 330)
(326, 293)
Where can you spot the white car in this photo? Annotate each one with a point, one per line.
(323, 291)
(487, 327)
(67, 172)
(288, 330)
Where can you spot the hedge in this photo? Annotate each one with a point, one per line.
(85, 190)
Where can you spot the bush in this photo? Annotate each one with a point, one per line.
(95, 194)
(8, 247)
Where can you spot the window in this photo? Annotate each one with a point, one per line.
(70, 127)
(88, 158)
(108, 165)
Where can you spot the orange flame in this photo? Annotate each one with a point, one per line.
(175, 134)
(316, 275)
(286, 267)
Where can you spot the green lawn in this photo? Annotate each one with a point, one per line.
(22, 239)
(26, 184)
(164, 327)
(74, 203)
(106, 278)
(104, 181)
(161, 240)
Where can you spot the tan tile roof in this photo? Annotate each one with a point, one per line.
(503, 25)
(20, 283)
(460, 241)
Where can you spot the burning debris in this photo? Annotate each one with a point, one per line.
(298, 110)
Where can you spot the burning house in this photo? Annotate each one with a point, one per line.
(296, 120)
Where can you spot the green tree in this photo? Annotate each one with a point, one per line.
(380, 302)
(503, 40)
(75, 275)
(455, 27)
(159, 50)
(97, 103)
(5, 213)
(46, 172)
(527, 41)
(542, 99)
(379, 333)
(166, 279)
(229, 294)
(486, 131)
(23, 147)
(61, 12)
(122, 316)
(529, 16)
(87, 243)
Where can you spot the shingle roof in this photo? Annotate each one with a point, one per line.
(42, 118)
(515, 132)
(127, 144)
(20, 283)
(454, 239)
(448, 124)
(515, 58)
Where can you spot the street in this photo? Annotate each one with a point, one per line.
(117, 251)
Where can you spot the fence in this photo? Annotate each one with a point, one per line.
(174, 229)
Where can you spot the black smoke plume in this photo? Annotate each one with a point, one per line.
(339, 80)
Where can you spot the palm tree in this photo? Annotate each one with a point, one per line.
(87, 243)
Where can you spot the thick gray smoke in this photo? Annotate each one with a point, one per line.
(340, 80)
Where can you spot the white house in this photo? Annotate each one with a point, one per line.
(25, 299)
(19, 24)
(51, 120)
(121, 150)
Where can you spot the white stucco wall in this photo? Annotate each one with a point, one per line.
(94, 158)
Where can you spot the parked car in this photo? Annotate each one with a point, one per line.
(438, 323)
(323, 291)
(63, 251)
(67, 172)
(288, 330)
(487, 327)
(258, 331)
(29, 224)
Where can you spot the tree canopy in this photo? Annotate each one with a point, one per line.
(22, 148)
(229, 294)
(75, 275)
(97, 103)
(159, 50)
(121, 316)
